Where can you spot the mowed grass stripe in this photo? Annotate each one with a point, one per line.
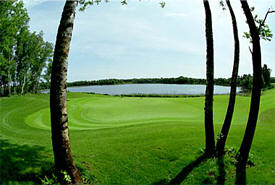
(141, 140)
(107, 112)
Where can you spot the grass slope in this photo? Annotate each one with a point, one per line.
(131, 140)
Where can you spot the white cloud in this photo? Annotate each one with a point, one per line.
(115, 41)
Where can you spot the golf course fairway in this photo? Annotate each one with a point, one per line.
(132, 140)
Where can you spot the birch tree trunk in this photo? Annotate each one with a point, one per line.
(14, 87)
(9, 78)
(255, 96)
(208, 110)
(23, 85)
(59, 117)
(230, 109)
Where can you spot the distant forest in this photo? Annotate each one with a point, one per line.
(244, 81)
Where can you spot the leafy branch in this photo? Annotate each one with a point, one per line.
(263, 28)
(85, 3)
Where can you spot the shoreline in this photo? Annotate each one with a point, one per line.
(141, 90)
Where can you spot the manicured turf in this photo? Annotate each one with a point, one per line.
(128, 140)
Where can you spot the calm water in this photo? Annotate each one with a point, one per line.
(183, 89)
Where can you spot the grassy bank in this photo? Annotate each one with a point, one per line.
(131, 140)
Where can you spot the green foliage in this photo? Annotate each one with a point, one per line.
(179, 80)
(67, 177)
(246, 35)
(49, 177)
(85, 180)
(266, 76)
(52, 179)
(264, 30)
(124, 2)
(49, 180)
(246, 82)
(233, 154)
(85, 3)
(13, 17)
(24, 56)
(162, 4)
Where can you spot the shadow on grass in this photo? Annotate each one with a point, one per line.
(180, 177)
(186, 170)
(240, 171)
(22, 163)
(183, 173)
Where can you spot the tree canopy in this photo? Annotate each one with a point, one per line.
(24, 55)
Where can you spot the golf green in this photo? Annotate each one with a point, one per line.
(132, 140)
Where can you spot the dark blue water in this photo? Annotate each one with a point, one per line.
(171, 89)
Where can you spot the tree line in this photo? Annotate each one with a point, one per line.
(243, 81)
(25, 58)
(179, 80)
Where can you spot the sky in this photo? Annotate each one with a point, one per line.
(143, 40)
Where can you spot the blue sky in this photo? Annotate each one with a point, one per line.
(143, 40)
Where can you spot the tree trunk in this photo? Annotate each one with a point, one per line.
(209, 128)
(6, 90)
(230, 109)
(1, 90)
(59, 117)
(255, 96)
(23, 85)
(36, 85)
(9, 78)
(14, 87)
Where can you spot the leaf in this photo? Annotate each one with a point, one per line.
(162, 4)
(124, 2)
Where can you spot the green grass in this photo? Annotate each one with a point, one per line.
(131, 140)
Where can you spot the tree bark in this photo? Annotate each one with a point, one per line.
(255, 97)
(209, 128)
(59, 117)
(9, 78)
(14, 87)
(230, 109)
(23, 85)
(6, 90)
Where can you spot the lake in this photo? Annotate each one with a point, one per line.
(169, 89)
